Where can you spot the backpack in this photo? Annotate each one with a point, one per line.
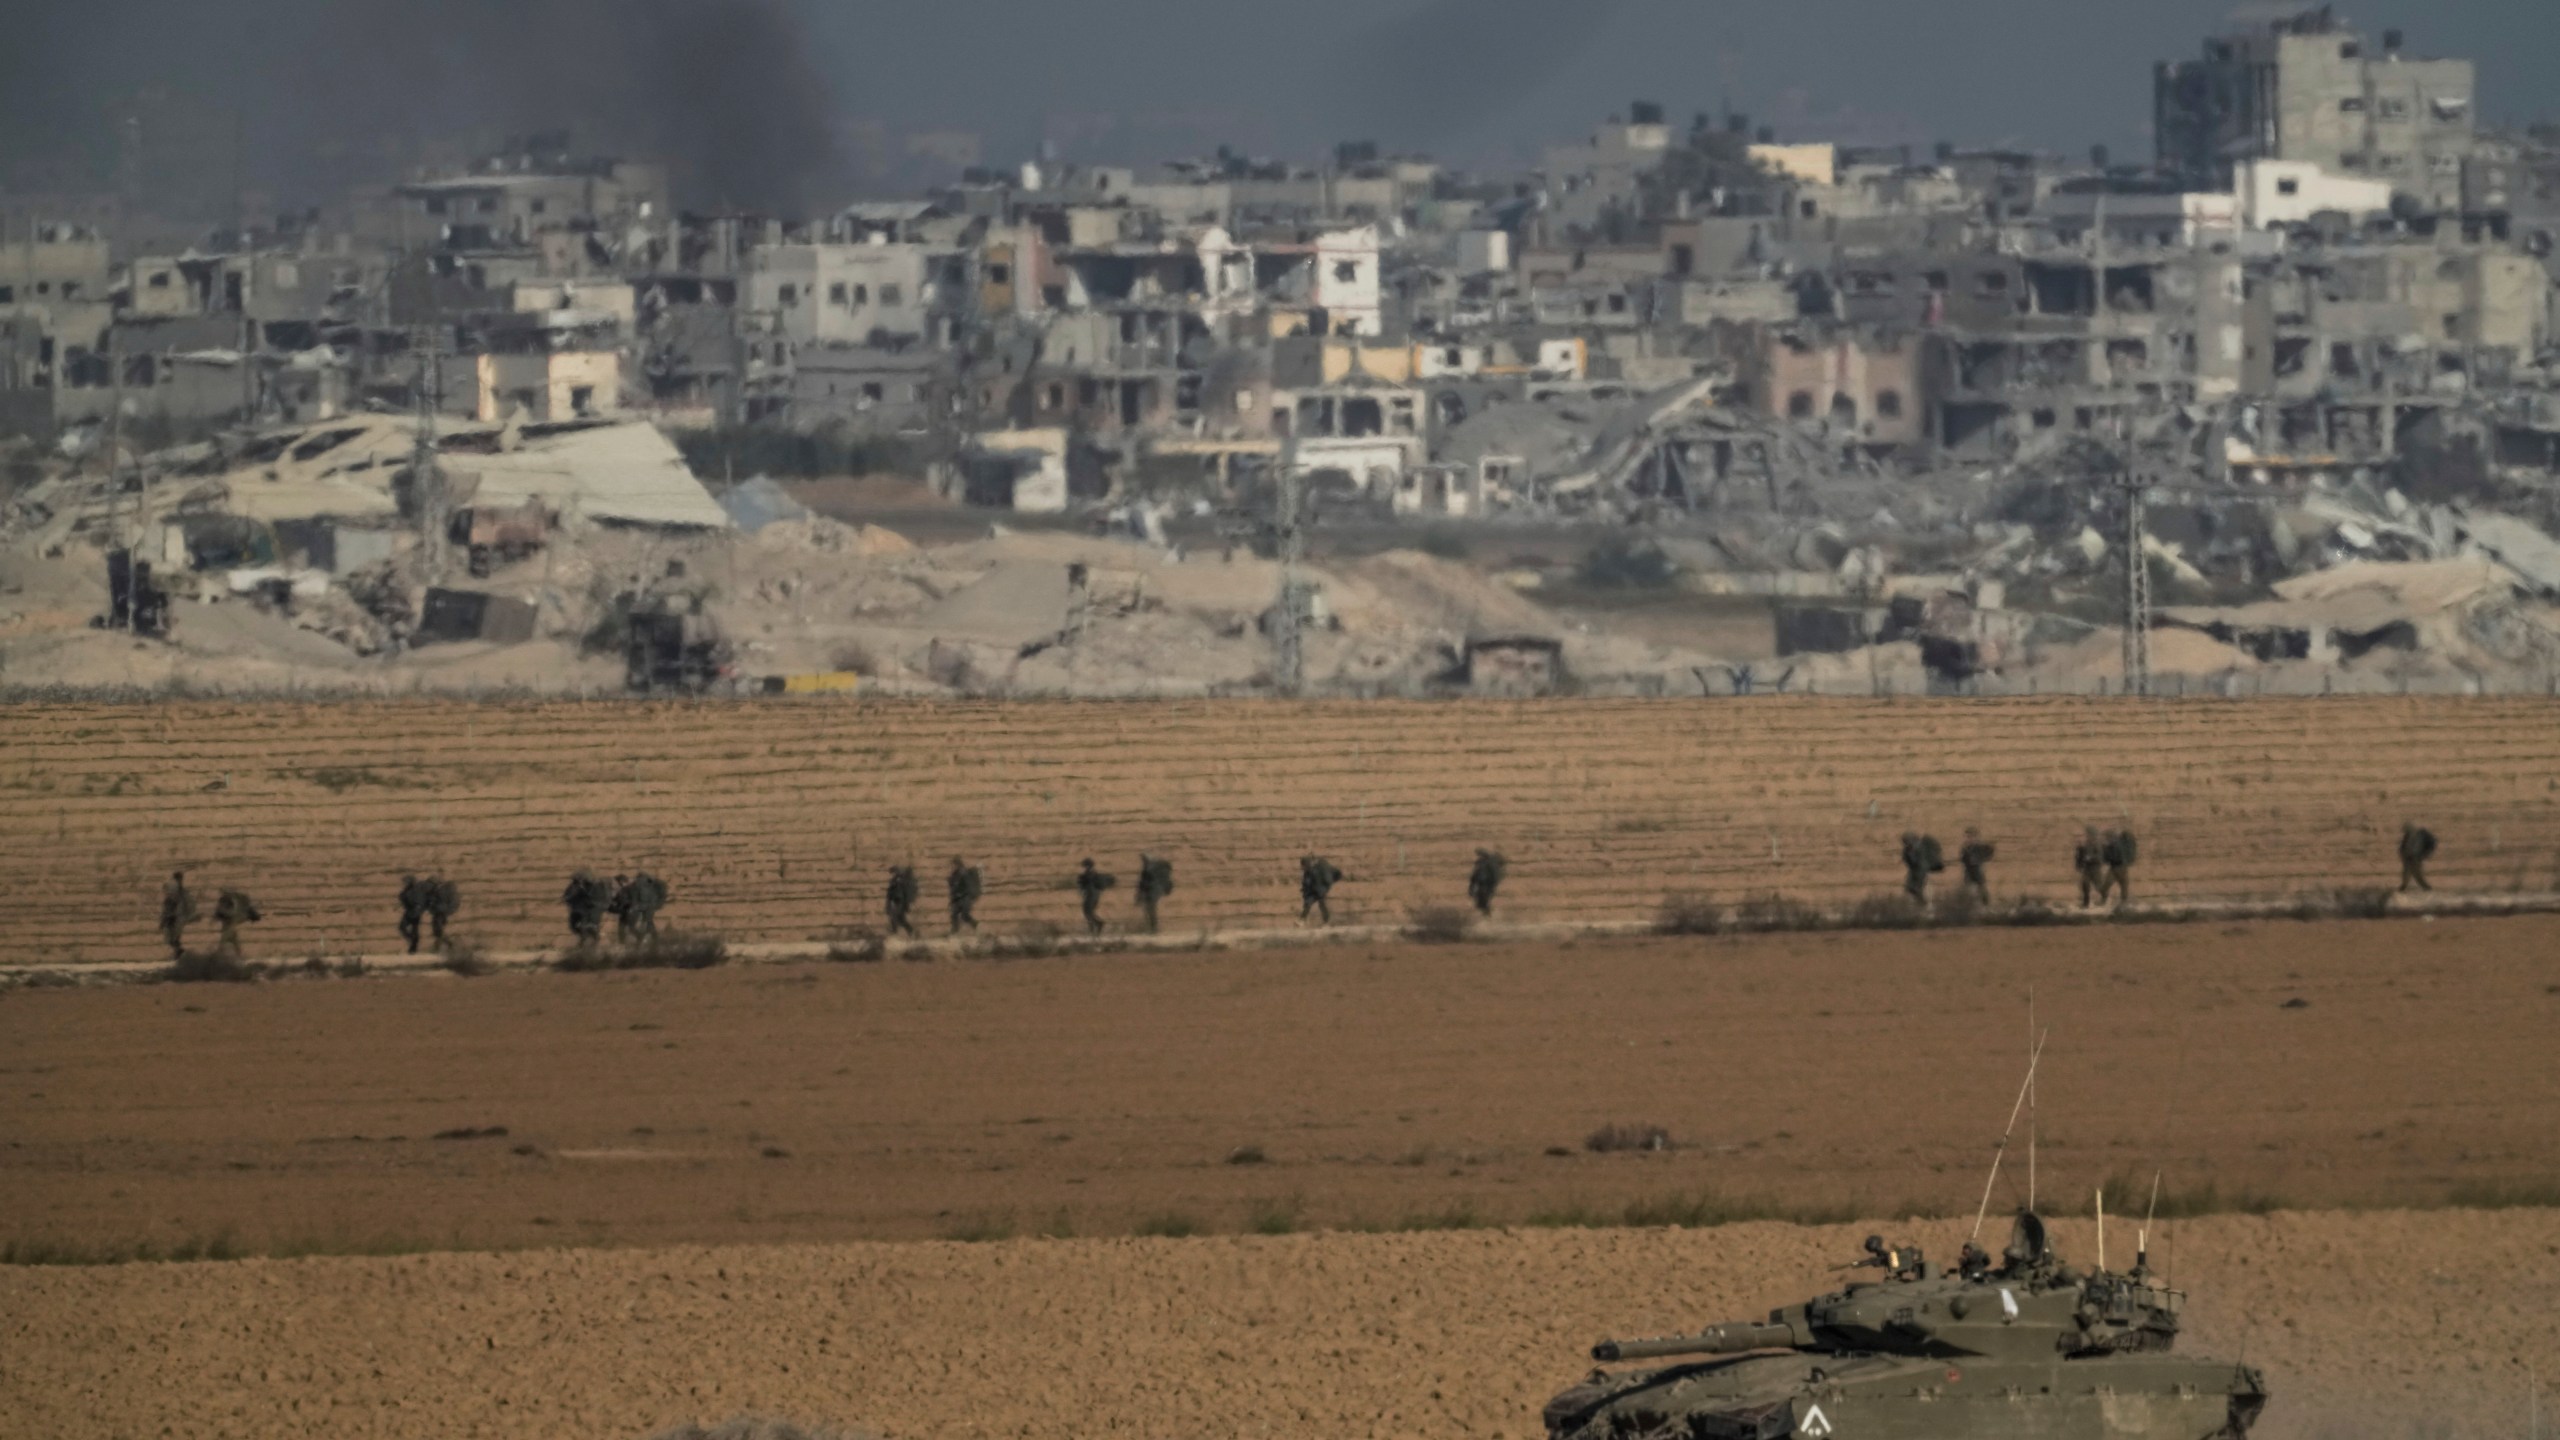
(2426, 844)
(1930, 855)
(1163, 877)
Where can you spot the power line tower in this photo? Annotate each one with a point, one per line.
(1288, 631)
(2132, 485)
(426, 470)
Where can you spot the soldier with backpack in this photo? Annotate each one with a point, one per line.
(1090, 883)
(966, 885)
(1921, 858)
(231, 910)
(177, 912)
(2089, 861)
(1155, 882)
(1975, 857)
(2119, 854)
(443, 899)
(2417, 847)
(1316, 878)
(902, 899)
(1485, 879)
(413, 909)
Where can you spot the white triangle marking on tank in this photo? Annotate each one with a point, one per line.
(1815, 1422)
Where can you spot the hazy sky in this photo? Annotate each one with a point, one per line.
(1492, 76)
(744, 95)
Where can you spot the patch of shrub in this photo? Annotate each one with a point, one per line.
(1439, 924)
(1688, 913)
(756, 1427)
(1458, 1216)
(858, 947)
(980, 1229)
(1035, 940)
(1887, 911)
(216, 967)
(1247, 1155)
(1173, 1226)
(463, 957)
(1275, 1217)
(2028, 910)
(669, 950)
(1770, 911)
(1615, 1137)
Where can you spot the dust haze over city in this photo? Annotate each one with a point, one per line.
(739, 720)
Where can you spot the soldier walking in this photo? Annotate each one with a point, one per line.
(902, 900)
(2119, 854)
(231, 910)
(1155, 882)
(1921, 858)
(1316, 879)
(1090, 883)
(2417, 847)
(648, 895)
(1975, 857)
(177, 912)
(1485, 879)
(444, 898)
(413, 909)
(586, 899)
(966, 886)
(2089, 861)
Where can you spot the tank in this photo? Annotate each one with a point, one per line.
(2022, 1348)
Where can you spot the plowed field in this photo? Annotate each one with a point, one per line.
(2330, 1063)
(2367, 1327)
(777, 821)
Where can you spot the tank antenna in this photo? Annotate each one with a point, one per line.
(2102, 1229)
(1997, 1150)
(2142, 1237)
(2031, 1097)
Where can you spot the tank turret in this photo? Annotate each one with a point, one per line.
(2090, 1350)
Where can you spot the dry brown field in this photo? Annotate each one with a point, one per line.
(777, 821)
(2389, 1326)
(1837, 1073)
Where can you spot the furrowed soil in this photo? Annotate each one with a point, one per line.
(2334, 1063)
(2391, 1325)
(778, 821)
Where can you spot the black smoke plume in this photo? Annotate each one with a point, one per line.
(296, 99)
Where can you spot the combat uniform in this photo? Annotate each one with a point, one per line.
(1316, 879)
(1975, 857)
(1485, 879)
(177, 912)
(1155, 882)
(413, 909)
(902, 899)
(966, 886)
(2119, 855)
(231, 910)
(1090, 883)
(2417, 847)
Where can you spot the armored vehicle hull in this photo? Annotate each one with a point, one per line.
(2030, 1350)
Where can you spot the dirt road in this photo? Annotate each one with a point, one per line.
(2373, 1325)
(2375, 1062)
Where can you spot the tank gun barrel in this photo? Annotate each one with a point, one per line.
(1715, 1340)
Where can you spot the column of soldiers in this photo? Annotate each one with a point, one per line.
(2102, 863)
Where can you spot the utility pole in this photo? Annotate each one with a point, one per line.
(1288, 660)
(2137, 585)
